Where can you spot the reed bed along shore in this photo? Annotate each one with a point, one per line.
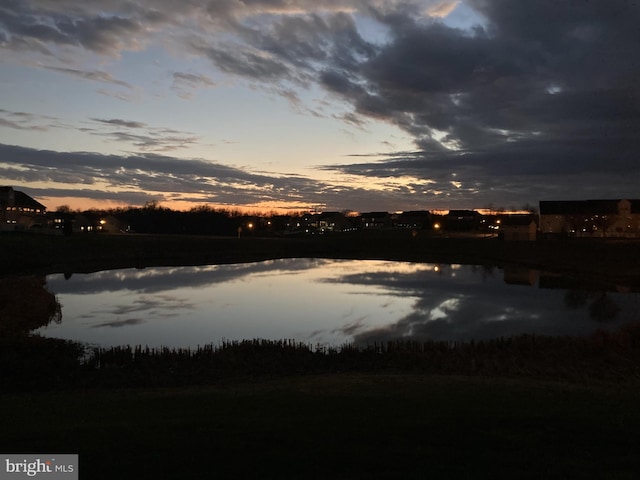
(37, 363)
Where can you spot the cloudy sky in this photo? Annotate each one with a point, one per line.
(326, 104)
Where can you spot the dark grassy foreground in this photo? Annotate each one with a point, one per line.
(337, 426)
(524, 407)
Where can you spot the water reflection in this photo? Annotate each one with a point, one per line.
(482, 302)
(327, 302)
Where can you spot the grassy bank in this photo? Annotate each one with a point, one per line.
(337, 426)
(524, 407)
(33, 363)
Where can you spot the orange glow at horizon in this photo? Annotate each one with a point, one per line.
(84, 203)
(264, 208)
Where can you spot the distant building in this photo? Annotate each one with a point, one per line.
(518, 228)
(86, 222)
(332, 222)
(462, 220)
(376, 221)
(591, 218)
(60, 222)
(110, 224)
(18, 211)
(416, 219)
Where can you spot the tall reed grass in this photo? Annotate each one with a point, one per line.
(41, 363)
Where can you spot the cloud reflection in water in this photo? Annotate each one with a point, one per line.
(316, 301)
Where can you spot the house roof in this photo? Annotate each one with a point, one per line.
(5, 193)
(585, 207)
(330, 214)
(415, 213)
(20, 199)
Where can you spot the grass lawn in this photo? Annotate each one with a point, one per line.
(337, 426)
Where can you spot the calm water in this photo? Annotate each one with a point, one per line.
(326, 302)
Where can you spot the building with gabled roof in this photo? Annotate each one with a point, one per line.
(19, 211)
(462, 220)
(414, 219)
(519, 227)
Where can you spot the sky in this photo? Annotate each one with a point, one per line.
(290, 105)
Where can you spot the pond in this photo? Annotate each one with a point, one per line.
(328, 302)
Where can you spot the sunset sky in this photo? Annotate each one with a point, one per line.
(311, 104)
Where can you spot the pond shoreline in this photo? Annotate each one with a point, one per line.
(26, 253)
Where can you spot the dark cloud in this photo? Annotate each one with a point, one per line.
(143, 136)
(19, 126)
(303, 41)
(119, 95)
(120, 323)
(184, 84)
(120, 123)
(153, 142)
(115, 194)
(93, 75)
(28, 121)
(515, 172)
(99, 33)
(244, 62)
(434, 79)
(88, 26)
(541, 100)
(287, 49)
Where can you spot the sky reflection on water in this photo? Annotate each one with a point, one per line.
(321, 301)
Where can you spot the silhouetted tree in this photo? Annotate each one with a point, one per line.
(25, 304)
